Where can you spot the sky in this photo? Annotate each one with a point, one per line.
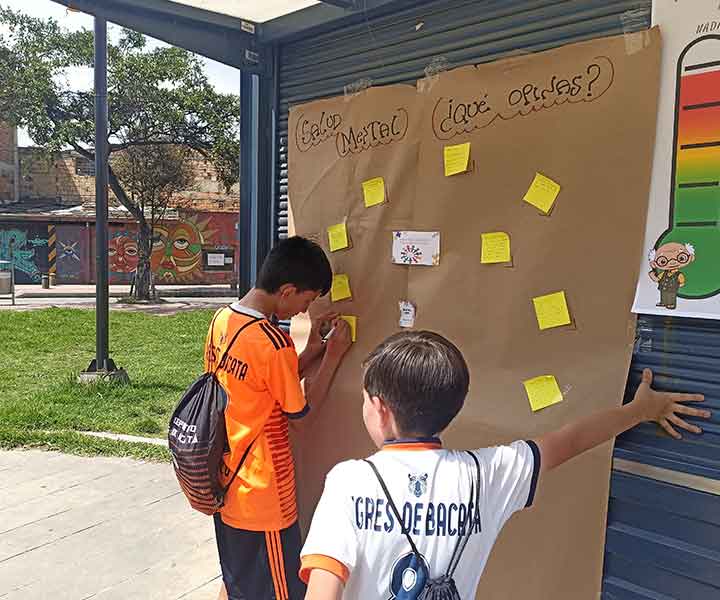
(224, 78)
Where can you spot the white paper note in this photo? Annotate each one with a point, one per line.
(416, 248)
(407, 313)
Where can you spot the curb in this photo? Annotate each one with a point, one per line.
(194, 293)
(125, 438)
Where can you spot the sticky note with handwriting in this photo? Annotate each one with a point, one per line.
(338, 237)
(495, 248)
(340, 289)
(542, 193)
(542, 392)
(352, 321)
(374, 191)
(457, 159)
(552, 310)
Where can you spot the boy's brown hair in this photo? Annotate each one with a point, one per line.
(422, 378)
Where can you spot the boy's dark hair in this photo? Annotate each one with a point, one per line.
(421, 377)
(298, 261)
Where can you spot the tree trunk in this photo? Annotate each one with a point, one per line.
(144, 287)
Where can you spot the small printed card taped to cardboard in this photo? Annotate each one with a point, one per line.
(416, 248)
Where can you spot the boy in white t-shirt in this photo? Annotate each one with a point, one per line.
(415, 384)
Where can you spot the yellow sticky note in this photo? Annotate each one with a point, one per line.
(340, 289)
(542, 193)
(352, 321)
(338, 237)
(495, 248)
(543, 391)
(552, 310)
(457, 159)
(374, 191)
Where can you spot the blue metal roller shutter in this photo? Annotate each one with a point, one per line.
(397, 47)
(649, 523)
(663, 536)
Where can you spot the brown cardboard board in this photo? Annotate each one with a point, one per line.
(591, 129)
(599, 151)
(325, 188)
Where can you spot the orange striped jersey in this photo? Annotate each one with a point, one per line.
(261, 378)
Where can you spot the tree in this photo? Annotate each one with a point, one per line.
(156, 97)
(152, 176)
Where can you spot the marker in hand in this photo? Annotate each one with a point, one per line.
(327, 335)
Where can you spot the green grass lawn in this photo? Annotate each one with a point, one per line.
(42, 351)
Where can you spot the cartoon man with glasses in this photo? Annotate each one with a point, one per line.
(666, 262)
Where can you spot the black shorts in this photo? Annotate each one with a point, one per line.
(260, 565)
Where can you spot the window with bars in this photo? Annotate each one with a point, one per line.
(84, 167)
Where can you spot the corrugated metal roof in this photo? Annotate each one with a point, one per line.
(66, 210)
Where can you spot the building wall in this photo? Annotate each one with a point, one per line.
(37, 175)
(7, 142)
(180, 255)
(69, 177)
(7, 163)
(208, 224)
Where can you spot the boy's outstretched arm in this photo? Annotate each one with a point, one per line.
(664, 408)
(324, 585)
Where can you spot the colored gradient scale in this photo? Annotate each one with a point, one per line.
(695, 184)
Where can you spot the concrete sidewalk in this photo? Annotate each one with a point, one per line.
(76, 528)
(119, 291)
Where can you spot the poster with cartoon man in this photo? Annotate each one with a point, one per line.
(667, 263)
(683, 226)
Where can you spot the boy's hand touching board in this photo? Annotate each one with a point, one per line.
(664, 408)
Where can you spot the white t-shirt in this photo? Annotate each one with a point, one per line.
(355, 535)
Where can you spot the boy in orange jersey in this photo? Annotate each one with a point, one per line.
(257, 533)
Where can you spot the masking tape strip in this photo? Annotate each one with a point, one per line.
(357, 87)
(634, 24)
(438, 64)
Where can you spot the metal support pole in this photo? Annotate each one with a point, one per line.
(101, 197)
(102, 367)
(266, 165)
(248, 224)
(274, 92)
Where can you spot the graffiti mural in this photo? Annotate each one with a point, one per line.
(71, 253)
(224, 238)
(177, 253)
(28, 250)
(123, 252)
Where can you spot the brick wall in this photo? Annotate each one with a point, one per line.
(37, 175)
(7, 139)
(7, 163)
(70, 177)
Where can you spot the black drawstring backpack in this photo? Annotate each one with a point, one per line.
(443, 587)
(197, 437)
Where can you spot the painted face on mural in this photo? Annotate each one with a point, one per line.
(177, 250)
(123, 254)
(672, 256)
